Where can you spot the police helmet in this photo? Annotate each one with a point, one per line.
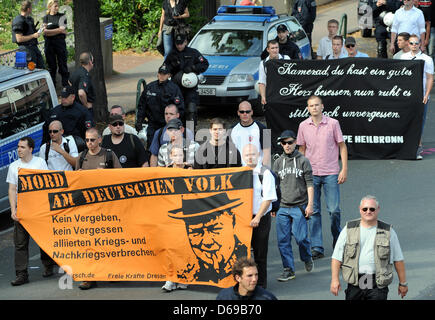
(189, 80)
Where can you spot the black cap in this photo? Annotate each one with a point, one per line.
(350, 40)
(179, 38)
(115, 118)
(281, 28)
(286, 134)
(174, 124)
(163, 69)
(67, 91)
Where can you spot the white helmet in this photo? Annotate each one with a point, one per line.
(189, 80)
(388, 19)
(142, 134)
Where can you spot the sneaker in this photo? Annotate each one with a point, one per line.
(169, 286)
(181, 286)
(317, 255)
(309, 265)
(288, 274)
(86, 285)
(21, 279)
(419, 151)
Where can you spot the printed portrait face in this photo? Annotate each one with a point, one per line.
(212, 241)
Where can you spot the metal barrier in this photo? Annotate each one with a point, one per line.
(8, 58)
(343, 25)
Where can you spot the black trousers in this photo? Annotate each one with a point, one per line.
(368, 290)
(21, 241)
(260, 245)
(56, 57)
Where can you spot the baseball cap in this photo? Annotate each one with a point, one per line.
(115, 118)
(174, 124)
(281, 28)
(163, 69)
(350, 40)
(179, 38)
(67, 91)
(286, 134)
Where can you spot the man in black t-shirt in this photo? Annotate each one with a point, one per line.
(25, 34)
(127, 147)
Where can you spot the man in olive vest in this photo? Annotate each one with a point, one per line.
(366, 251)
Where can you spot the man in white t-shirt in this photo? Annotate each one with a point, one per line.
(60, 152)
(264, 195)
(416, 54)
(325, 45)
(21, 236)
(365, 252)
(248, 131)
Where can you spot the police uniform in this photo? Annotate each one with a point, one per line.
(153, 101)
(186, 61)
(76, 119)
(80, 79)
(55, 48)
(26, 26)
(381, 31)
(305, 12)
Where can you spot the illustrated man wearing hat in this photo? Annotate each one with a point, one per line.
(351, 48)
(210, 223)
(286, 45)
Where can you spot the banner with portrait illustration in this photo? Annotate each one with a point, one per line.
(378, 102)
(144, 224)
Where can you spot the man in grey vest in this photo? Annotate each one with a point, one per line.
(366, 251)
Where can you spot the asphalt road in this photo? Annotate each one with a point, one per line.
(405, 190)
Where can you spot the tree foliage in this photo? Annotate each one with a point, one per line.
(136, 22)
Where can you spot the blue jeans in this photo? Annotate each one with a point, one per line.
(332, 199)
(167, 43)
(291, 221)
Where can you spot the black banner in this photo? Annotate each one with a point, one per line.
(378, 102)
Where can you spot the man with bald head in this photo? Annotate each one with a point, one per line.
(81, 81)
(60, 152)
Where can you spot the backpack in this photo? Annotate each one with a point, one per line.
(276, 203)
(108, 162)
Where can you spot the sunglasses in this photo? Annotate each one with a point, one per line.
(90, 140)
(287, 142)
(245, 111)
(350, 45)
(53, 131)
(371, 209)
(118, 123)
(413, 43)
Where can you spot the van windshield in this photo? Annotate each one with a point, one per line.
(229, 42)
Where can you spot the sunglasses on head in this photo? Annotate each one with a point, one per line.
(53, 131)
(287, 142)
(90, 139)
(371, 209)
(350, 45)
(245, 111)
(118, 123)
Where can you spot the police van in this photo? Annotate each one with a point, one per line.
(25, 97)
(233, 42)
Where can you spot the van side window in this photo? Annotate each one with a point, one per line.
(23, 107)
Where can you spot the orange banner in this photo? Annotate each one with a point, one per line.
(144, 224)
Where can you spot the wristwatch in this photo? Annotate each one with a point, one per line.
(405, 284)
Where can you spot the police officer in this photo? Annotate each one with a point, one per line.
(182, 62)
(305, 12)
(380, 8)
(81, 81)
(75, 118)
(55, 45)
(286, 45)
(153, 100)
(25, 34)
